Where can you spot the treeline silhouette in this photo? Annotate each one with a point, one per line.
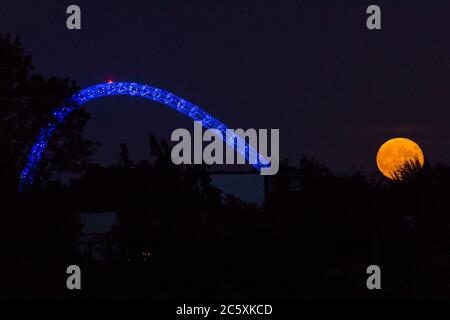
(178, 236)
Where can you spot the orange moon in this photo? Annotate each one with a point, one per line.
(394, 153)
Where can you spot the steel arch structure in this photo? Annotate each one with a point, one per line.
(140, 90)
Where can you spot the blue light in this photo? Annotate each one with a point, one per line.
(132, 89)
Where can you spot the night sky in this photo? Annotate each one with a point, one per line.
(335, 90)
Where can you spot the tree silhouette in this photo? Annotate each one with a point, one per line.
(26, 101)
(409, 170)
(38, 228)
(125, 160)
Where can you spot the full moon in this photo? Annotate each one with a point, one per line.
(394, 153)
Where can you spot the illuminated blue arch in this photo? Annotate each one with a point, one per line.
(140, 90)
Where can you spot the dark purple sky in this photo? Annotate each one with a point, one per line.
(335, 90)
